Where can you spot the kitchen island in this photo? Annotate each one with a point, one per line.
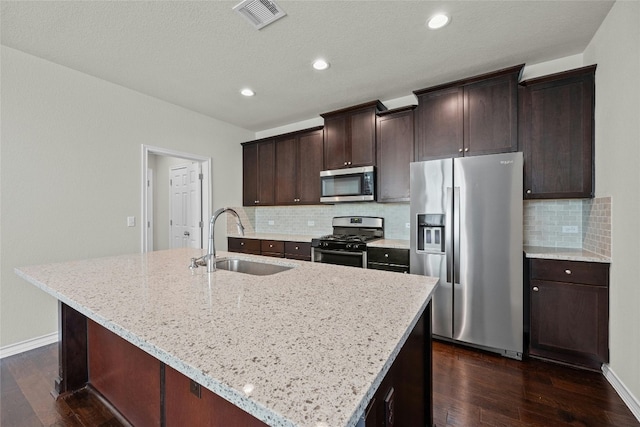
(317, 345)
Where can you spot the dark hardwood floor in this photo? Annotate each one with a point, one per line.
(470, 388)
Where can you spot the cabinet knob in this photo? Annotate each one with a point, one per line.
(255, 201)
(349, 162)
(466, 149)
(297, 248)
(535, 289)
(568, 271)
(459, 150)
(345, 163)
(241, 243)
(386, 255)
(528, 191)
(270, 246)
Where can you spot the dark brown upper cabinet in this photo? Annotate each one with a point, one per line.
(258, 168)
(557, 134)
(350, 136)
(468, 117)
(299, 160)
(394, 137)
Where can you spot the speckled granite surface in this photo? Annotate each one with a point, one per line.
(565, 254)
(305, 347)
(389, 243)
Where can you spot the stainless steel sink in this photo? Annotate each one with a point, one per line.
(249, 267)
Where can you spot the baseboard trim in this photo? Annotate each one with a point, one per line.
(21, 347)
(627, 397)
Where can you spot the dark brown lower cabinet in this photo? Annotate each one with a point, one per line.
(242, 245)
(273, 248)
(388, 259)
(570, 312)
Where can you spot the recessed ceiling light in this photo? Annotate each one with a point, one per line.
(320, 64)
(438, 21)
(247, 92)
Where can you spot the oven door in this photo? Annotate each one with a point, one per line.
(338, 257)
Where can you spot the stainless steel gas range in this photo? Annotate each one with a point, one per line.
(348, 243)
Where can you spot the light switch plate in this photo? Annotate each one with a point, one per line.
(131, 221)
(311, 223)
(271, 222)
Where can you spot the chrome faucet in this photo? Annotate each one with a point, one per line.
(211, 250)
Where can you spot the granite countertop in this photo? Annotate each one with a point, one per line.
(305, 347)
(565, 254)
(389, 243)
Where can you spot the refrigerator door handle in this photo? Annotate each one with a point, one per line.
(448, 246)
(456, 233)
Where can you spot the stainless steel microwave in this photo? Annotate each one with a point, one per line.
(348, 185)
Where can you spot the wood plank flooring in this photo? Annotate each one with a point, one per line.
(471, 388)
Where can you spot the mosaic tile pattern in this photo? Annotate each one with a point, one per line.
(315, 220)
(596, 225)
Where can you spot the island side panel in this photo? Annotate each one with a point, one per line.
(72, 350)
(187, 403)
(127, 377)
(405, 396)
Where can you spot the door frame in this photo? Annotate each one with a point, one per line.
(206, 186)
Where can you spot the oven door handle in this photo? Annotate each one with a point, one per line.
(329, 251)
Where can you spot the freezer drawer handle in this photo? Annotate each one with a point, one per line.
(568, 271)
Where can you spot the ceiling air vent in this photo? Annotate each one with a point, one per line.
(259, 13)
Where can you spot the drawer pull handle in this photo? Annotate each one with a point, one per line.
(270, 246)
(568, 271)
(386, 255)
(528, 191)
(297, 248)
(241, 243)
(535, 289)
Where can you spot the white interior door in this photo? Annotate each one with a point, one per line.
(149, 221)
(186, 202)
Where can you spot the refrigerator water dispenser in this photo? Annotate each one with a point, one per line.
(431, 232)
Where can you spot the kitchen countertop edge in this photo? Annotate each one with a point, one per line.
(564, 254)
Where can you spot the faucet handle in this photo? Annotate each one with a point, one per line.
(193, 264)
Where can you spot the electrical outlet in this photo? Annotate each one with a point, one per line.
(131, 221)
(407, 225)
(271, 222)
(311, 223)
(570, 229)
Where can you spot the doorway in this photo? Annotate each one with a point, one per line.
(156, 206)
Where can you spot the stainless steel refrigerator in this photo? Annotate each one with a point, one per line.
(466, 228)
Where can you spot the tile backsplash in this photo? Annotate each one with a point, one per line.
(315, 220)
(551, 223)
(569, 224)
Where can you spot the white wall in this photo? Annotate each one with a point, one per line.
(70, 174)
(616, 50)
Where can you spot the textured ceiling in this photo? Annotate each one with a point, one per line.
(199, 54)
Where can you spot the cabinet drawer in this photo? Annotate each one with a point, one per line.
(298, 250)
(249, 246)
(388, 267)
(272, 247)
(388, 255)
(589, 273)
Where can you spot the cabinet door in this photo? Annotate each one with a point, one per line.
(439, 124)
(395, 152)
(557, 136)
(569, 322)
(310, 164)
(266, 173)
(362, 137)
(286, 171)
(490, 119)
(335, 141)
(249, 174)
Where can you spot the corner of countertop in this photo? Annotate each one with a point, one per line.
(564, 254)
